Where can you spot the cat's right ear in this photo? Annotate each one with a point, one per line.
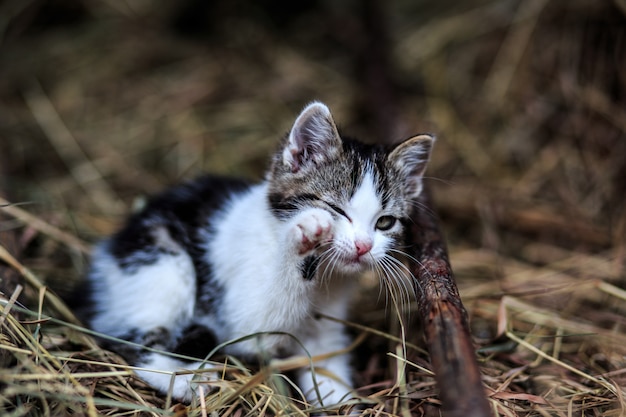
(410, 159)
(313, 138)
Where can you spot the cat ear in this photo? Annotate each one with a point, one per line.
(410, 159)
(313, 138)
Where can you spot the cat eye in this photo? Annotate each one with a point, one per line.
(338, 210)
(385, 222)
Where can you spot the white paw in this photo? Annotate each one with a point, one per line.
(312, 229)
(182, 386)
(331, 392)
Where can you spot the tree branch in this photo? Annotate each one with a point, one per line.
(444, 317)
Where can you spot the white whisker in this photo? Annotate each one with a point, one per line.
(396, 282)
(381, 272)
(414, 278)
(328, 258)
(392, 275)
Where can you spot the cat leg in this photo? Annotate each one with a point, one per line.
(333, 383)
(308, 235)
(147, 297)
(172, 376)
(168, 373)
(151, 288)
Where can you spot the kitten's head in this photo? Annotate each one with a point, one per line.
(369, 189)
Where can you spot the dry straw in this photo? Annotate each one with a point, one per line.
(526, 98)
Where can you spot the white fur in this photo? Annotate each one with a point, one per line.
(262, 292)
(157, 295)
(160, 371)
(364, 209)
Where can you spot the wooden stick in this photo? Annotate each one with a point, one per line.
(444, 317)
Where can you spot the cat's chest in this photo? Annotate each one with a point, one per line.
(258, 305)
(261, 317)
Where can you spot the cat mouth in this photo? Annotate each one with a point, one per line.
(356, 262)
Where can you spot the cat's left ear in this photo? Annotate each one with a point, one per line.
(410, 159)
(313, 138)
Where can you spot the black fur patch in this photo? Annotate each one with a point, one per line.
(158, 338)
(196, 341)
(183, 210)
(285, 207)
(309, 267)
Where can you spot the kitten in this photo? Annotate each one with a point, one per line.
(218, 259)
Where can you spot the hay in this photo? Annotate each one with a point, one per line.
(527, 100)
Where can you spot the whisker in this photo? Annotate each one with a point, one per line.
(394, 276)
(328, 258)
(388, 283)
(414, 278)
(398, 297)
(441, 180)
(382, 276)
(403, 271)
(396, 281)
(419, 205)
(382, 279)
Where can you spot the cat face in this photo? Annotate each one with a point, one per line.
(365, 230)
(368, 189)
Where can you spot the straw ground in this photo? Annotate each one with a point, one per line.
(103, 103)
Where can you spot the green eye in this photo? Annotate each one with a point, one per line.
(385, 222)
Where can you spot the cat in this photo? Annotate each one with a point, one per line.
(219, 259)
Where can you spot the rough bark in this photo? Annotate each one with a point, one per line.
(444, 318)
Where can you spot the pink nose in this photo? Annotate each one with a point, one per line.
(363, 246)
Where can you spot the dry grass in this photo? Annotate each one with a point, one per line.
(527, 98)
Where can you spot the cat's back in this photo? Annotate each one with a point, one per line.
(169, 232)
(185, 211)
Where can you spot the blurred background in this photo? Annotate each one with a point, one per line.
(105, 101)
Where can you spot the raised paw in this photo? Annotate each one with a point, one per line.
(312, 229)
